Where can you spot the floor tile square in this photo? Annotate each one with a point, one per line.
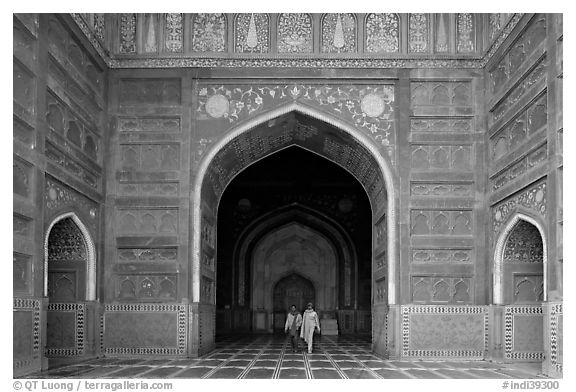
(292, 373)
(193, 372)
(227, 373)
(388, 373)
(423, 374)
(349, 364)
(163, 372)
(130, 371)
(325, 374)
(359, 373)
(259, 373)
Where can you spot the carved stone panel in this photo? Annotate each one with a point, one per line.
(137, 255)
(147, 222)
(441, 157)
(150, 157)
(442, 124)
(149, 124)
(515, 57)
(382, 33)
(150, 91)
(338, 33)
(24, 85)
(21, 225)
(147, 287)
(209, 33)
(437, 222)
(437, 255)
(441, 93)
(442, 289)
(443, 189)
(146, 189)
(525, 164)
(252, 33)
(22, 269)
(22, 178)
(295, 33)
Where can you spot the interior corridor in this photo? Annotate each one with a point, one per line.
(270, 356)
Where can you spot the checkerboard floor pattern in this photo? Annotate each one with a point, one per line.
(270, 356)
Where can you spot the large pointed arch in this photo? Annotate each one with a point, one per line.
(498, 272)
(90, 253)
(358, 135)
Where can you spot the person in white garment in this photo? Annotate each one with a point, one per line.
(293, 322)
(310, 322)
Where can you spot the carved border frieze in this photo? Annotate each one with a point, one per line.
(556, 311)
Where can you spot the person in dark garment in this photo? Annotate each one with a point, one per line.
(293, 323)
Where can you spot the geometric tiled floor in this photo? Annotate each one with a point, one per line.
(270, 356)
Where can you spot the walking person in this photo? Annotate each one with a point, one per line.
(293, 322)
(310, 322)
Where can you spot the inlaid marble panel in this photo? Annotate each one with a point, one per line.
(209, 32)
(441, 93)
(523, 332)
(295, 33)
(444, 331)
(532, 198)
(150, 91)
(338, 33)
(252, 33)
(382, 33)
(442, 255)
(150, 157)
(161, 329)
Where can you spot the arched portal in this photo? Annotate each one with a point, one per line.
(520, 262)
(340, 143)
(293, 289)
(69, 284)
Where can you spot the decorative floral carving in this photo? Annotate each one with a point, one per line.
(338, 33)
(99, 26)
(294, 33)
(418, 33)
(66, 242)
(174, 32)
(127, 33)
(534, 198)
(58, 196)
(367, 107)
(252, 33)
(524, 244)
(465, 28)
(209, 33)
(382, 33)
